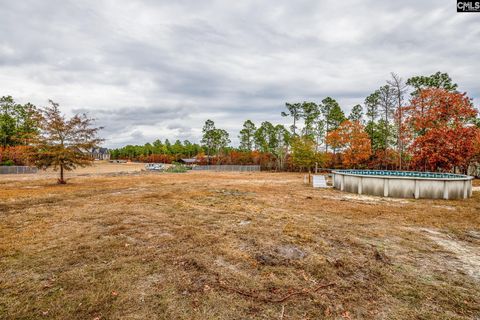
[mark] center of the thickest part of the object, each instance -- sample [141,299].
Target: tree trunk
[326,133]
[399,137]
[61,180]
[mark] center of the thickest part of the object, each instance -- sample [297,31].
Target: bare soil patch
[468,257]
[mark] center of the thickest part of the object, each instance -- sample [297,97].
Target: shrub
[7,163]
[177,168]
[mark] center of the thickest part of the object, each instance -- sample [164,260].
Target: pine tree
[247,135]
[332,114]
[356,114]
[294,111]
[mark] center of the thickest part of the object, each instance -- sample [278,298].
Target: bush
[177,168]
[7,163]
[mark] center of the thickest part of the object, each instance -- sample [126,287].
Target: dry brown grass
[230,246]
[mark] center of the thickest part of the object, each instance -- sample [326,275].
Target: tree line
[423,123]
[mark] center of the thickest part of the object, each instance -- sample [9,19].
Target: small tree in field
[304,155]
[64,143]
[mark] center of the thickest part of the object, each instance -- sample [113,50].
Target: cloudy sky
[158,69]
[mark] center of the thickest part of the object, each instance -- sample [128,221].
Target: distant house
[100,154]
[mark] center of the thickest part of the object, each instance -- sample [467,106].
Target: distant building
[188,161]
[100,154]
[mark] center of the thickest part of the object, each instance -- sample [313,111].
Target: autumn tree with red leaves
[441,125]
[476,157]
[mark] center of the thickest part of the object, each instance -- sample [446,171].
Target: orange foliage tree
[354,142]
[441,124]
[387,159]
[156,158]
[64,143]
[17,155]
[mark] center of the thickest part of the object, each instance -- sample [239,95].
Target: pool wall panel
[401,188]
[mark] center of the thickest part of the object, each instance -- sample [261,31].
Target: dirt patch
[468,256]
[280,255]
[366,199]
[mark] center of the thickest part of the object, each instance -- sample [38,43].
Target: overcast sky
[158,69]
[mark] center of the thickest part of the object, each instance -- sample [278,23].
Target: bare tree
[387,109]
[399,89]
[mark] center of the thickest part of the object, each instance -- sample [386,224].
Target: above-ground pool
[404,184]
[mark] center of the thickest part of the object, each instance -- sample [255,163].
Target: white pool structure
[404,184]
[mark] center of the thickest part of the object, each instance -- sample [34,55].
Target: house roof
[100,150]
[189,160]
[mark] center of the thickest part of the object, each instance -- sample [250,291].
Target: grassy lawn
[231,246]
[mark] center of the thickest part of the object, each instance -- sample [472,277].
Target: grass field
[115,243]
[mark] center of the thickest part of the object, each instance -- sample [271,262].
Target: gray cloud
[158,69]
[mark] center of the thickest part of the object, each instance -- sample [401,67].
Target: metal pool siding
[404,186]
